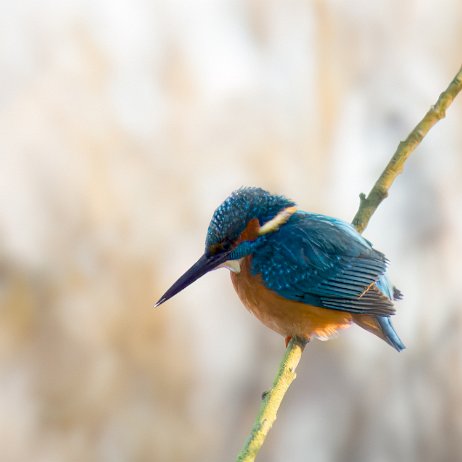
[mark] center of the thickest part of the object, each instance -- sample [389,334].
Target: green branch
[272,400]
[379,192]
[368,205]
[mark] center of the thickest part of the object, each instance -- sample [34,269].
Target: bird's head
[238,226]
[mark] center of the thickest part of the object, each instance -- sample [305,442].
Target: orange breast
[287,317]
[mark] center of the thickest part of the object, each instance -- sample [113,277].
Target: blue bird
[302,274]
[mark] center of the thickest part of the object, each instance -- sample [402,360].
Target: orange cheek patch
[250,232]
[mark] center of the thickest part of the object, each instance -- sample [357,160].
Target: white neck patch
[233,265]
[277,221]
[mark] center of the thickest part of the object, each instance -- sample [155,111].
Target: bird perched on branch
[302,274]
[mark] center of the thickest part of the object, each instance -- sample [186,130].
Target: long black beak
[205,264]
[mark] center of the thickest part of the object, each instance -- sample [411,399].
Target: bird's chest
[287,317]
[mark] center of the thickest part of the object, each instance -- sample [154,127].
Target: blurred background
[123,125]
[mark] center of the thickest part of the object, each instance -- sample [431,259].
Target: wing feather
[323,261]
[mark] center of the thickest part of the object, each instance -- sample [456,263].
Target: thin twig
[272,400]
[368,205]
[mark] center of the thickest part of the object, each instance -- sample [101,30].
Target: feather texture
[323,262]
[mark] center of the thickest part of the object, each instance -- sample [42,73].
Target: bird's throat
[233,265]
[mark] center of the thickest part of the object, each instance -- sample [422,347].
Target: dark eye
[226,245]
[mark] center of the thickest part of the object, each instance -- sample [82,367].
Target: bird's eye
[224,246]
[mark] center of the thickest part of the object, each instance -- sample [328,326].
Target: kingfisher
[301,274]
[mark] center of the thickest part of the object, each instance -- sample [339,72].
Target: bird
[301,274]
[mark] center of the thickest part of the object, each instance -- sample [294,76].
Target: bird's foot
[289,338]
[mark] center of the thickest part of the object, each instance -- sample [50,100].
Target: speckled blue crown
[244,204]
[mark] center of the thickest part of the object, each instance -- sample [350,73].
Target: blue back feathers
[324,262]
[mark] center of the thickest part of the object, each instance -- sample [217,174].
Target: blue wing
[324,262]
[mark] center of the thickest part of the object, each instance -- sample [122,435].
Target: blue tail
[390,335]
[381,325]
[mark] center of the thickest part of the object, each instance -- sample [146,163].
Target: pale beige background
[123,124]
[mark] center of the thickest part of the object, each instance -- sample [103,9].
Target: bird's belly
[287,317]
